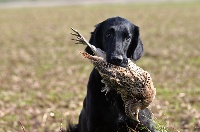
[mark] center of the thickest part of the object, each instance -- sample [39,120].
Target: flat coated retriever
[101,112]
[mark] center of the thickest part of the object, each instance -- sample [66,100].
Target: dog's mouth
[123,62]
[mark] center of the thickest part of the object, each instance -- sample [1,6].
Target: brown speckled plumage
[133,83]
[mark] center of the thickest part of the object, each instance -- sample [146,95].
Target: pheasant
[133,83]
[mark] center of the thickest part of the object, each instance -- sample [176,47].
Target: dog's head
[119,38]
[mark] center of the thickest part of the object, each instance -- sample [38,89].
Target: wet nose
[116,60]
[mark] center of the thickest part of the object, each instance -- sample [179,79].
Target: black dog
[102,112]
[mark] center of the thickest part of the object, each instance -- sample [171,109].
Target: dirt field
[50,3]
[43,79]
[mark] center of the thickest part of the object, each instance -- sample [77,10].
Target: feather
[134,84]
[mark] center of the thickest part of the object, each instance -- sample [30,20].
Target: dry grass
[43,79]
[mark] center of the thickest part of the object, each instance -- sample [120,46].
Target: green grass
[41,72]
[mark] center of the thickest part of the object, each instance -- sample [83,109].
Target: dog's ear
[95,39]
[135,50]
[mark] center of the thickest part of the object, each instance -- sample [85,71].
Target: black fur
[105,113]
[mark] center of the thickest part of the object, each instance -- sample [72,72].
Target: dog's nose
[116,60]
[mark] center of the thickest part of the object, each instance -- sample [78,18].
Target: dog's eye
[108,34]
[128,37]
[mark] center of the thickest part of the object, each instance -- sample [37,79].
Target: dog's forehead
[121,28]
[118,22]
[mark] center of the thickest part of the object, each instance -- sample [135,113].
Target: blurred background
[43,79]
